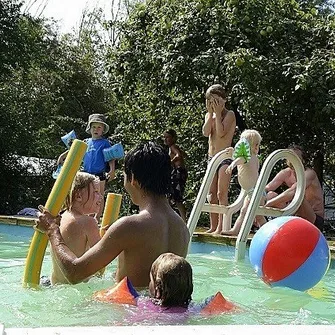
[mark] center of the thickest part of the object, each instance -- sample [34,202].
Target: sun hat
[99,118]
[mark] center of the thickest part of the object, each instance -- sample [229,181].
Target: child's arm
[207,127]
[176,152]
[235,162]
[111,174]
[62,157]
[277,181]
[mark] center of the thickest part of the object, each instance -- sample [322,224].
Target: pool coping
[185,330]
[18,220]
[201,236]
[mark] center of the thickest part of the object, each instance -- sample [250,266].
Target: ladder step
[220,209]
[269,211]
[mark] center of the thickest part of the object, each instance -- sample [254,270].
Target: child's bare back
[155,230]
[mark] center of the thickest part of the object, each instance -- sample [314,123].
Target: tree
[276,58]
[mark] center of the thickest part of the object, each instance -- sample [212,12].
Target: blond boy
[219,127]
[246,160]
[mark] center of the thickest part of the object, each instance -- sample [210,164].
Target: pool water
[214,269]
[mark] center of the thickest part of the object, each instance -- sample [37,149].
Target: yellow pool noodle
[111,212]
[61,188]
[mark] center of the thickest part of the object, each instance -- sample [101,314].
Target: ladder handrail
[200,202]
[262,180]
[204,188]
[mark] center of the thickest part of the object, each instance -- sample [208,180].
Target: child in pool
[246,160]
[170,295]
[79,230]
[171,282]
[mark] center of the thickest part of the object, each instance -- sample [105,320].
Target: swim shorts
[178,183]
[101,175]
[319,221]
[226,161]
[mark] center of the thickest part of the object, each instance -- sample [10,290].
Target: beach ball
[291,252]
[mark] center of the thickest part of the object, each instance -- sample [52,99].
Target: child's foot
[230,232]
[210,230]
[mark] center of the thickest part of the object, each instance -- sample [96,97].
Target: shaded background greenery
[148,70]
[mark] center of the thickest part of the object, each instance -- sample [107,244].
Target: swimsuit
[319,221]
[94,161]
[225,161]
[251,191]
[178,182]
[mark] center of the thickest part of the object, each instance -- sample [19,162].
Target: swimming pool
[214,270]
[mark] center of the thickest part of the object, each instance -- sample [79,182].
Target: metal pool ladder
[253,208]
[200,204]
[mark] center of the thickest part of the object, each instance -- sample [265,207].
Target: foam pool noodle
[110,215]
[54,204]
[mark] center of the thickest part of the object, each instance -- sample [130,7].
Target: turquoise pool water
[214,270]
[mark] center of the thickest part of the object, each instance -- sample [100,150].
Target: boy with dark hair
[137,239]
[179,172]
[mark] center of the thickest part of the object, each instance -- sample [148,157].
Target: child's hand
[229,169]
[229,151]
[110,175]
[209,106]
[45,220]
[218,105]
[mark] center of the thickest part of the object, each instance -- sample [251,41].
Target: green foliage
[47,89]
[275,57]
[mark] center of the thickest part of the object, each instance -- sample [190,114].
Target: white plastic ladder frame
[254,208]
[200,204]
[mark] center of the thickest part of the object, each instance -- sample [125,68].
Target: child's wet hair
[172,280]
[81,181]
[150,165]
[218,90]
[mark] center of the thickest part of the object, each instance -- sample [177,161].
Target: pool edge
[185,330]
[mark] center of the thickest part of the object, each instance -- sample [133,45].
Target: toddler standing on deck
[94,159]
[246,160]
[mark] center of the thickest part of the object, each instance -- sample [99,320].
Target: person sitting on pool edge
[312,207]
[137,239]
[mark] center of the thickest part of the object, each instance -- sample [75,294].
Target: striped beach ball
[290,252]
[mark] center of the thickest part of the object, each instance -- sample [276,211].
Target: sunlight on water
[214,269]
